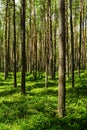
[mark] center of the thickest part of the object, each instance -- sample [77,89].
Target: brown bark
[72,44]
[6,49]
[67,43]
[14,45]
[61,90]
[80,40]
[54,45]
[50,42]
[35,45]
[23,46]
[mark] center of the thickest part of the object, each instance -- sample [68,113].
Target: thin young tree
[62,85]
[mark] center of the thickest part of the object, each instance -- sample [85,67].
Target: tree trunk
[72,44]
[14,45]
[35,44]
[23,46]
[67,45]
[80,40]
[9,34]
[6,55]
[62,88]
[54,47]
[50,42]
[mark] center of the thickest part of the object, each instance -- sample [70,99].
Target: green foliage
[37,110]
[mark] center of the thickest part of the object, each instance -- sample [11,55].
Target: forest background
[43,56]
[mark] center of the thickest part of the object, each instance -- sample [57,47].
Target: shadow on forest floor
[7,93]
[37,110]
[80,88]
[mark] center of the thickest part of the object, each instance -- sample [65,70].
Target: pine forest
[43,64]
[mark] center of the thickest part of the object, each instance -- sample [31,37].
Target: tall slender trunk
[23,46]
[80,40]
[62,88]
[54,64]
[14,45]
[30,38]
[83,40]
[46,48]
[6,50]
[46,59]
[67,45]
[9,33]
[35,44]
[72,44]
[54,47]
[50,40]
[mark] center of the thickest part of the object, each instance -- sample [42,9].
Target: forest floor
[37,109]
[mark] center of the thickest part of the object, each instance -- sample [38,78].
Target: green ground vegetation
[37,109]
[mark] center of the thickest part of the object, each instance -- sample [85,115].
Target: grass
[37,110]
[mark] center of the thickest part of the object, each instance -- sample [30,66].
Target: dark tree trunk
[72,44]
[14,45]
[23,46]
[67,45]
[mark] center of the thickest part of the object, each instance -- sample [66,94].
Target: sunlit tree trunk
[54,36]
[62,88]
